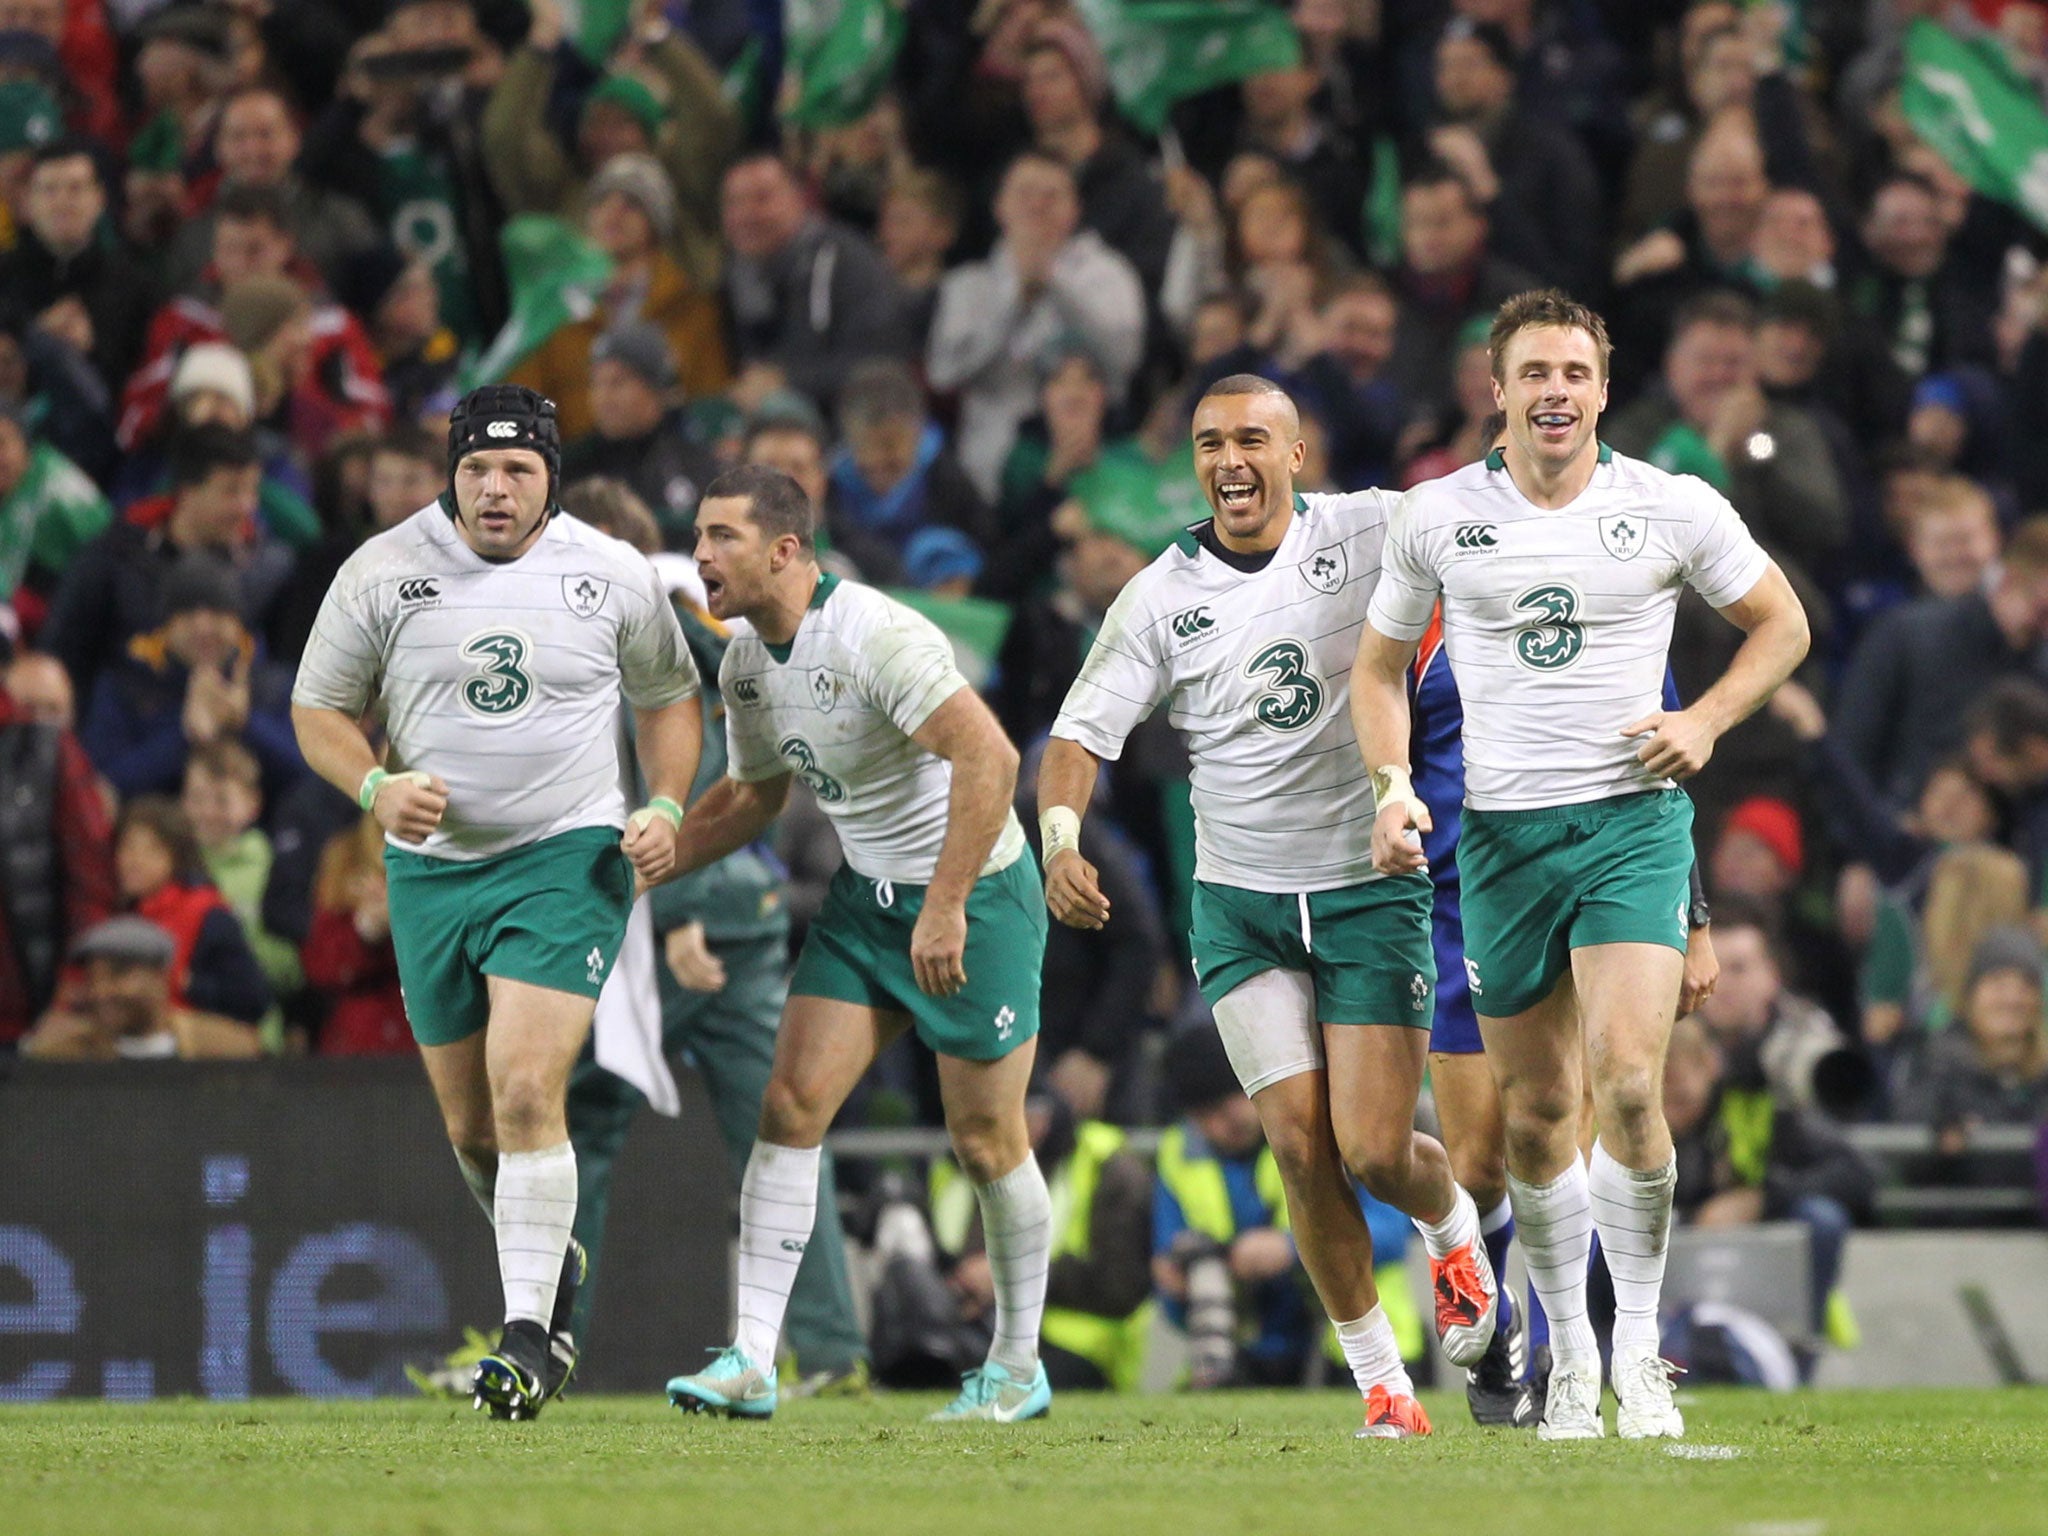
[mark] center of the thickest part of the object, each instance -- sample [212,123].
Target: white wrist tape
[1059,830]
[1391,784]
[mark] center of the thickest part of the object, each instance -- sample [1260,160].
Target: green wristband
[366,797]
[667,810]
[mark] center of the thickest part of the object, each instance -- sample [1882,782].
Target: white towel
[629,1016]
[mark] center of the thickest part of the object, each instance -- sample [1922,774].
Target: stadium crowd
[251,251]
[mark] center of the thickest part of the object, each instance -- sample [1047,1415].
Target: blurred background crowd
[959,267]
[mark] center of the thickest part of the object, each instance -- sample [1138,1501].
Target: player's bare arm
[966,734]
[728,816]
[407,805]
[1066,784]
[1379,716]
[1772,618]
[670,742]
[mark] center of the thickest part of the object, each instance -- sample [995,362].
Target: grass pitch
[1247,1464]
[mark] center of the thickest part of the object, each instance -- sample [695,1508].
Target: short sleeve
[750,754]
[655,665]
[1120,683]
[1722,561]
[1408,589]
[910,672]
[344,654]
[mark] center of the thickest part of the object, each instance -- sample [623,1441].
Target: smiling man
[1559,564]
[1318,969]
[504,642]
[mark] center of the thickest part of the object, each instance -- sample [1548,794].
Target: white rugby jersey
[502,677]
[1558,622]
[1255,671]
[837,707]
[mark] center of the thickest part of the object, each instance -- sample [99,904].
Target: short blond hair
[1539,309]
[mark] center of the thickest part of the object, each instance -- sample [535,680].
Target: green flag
[1963,97]
[1162,51]
[595,26]
[554,275]
[837,57]
[975,625]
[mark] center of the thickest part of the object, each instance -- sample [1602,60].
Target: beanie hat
[506,416]
[641,180]
[257,308]
[1074,43]
[2008,947]
[630,94]
[219,367]
[200,581]
[128,940]
[1775,824]
[1198,1068]
[642,348]
[29,117]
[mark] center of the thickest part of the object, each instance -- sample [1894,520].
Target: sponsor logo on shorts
[1623,535]
[1472,977]
[1476,536]
[746,691]
[584,594]
[1190,622]
[1325,569]
[502,429]
[418,591]
[1418,989]
[1006,1019]
[595,961]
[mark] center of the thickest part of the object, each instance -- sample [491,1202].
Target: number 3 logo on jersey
[501,687]
[1295,699]
[1554,641]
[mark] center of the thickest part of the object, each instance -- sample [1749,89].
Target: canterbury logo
[1191,623]
[747,691]
[421,589]
[502,429]
[1476,536]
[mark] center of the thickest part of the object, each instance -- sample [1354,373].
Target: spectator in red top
[56,856]
[252,239]
[348,953]
[162,877]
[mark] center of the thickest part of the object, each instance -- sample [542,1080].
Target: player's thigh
[1468,1112]
[1628,994]
[984,1104]
[824,1047]
[552,916]
[535,1036]
[1535,1057]
[462,1089]
[1375,1075]
[1269,1031]
[996,1011]
[434,906]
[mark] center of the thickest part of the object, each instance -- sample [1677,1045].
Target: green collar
[826,582]
[1497,460]
[1186,542]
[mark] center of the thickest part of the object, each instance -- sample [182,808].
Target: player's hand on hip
[938,950]
[1679,746]
[1396,837]
[1071,892]
[691,961]
[410,805]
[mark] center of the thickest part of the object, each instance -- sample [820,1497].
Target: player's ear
[1297,456]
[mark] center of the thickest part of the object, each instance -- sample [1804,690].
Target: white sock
[1373,1355]
[1459,1227]
[778,1209]
[1554,1223]
[482,1182]
[1016,1222]
[535,1208]
[1632,1210]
